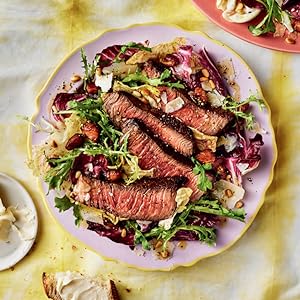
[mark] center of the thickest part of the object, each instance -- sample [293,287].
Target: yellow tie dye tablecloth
[263,265]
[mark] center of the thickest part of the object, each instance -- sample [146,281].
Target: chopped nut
[239,7]
[164,254]
[181,244]
[98,71]
[123,233]
[77,174]
[91,88]
[136,94]
[75,141]
[239,204]
[228,193]
[205,73]
[206,156]
[212,84]
[91,131]
[158,244]
[75,78]
[290,40]
[203,79]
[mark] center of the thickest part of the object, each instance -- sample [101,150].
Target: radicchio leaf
[113,232]
[245,158]
[215,75]
[92,166]
[61,103]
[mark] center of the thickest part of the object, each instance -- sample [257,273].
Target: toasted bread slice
[50,287]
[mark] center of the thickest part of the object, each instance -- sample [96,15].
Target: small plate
[14,194]
[241,30]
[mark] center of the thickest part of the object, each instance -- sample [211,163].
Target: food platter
[14,194]
[255,186]
[241,30]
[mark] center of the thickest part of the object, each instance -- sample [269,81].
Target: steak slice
[152,156]
[208,120]
[119,106]
[148,199]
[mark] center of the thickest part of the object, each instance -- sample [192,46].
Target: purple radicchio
[215,75]
[245,158]
[92,166]
[61,101]
[109,54]
[113,232]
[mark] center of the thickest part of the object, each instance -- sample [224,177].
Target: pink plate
[241,30]
[255,188]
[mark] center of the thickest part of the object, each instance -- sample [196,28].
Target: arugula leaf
[59,171]
[181,223]
[274,13]
[63,203]
[137,77]
[203,182]
[89,68]
[77,214]
[216,208]
[129,45]
[235,107]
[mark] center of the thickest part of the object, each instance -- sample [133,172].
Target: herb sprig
[64,204]
[129,45]
[199,169]
[182,223]
[274,13]
[235,107]
[135,78]
[89,68]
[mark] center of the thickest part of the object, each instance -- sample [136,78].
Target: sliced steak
[119,106]
[152,156]
[149,199]
[208,120]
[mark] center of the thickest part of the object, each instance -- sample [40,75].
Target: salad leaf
[138,77]
[60,169]
[214,207]
[235,107]
[182,223]
[130,45]
[89,68]
[64,204]
[199,169]
[274,13]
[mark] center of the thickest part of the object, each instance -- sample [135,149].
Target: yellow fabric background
[263,265]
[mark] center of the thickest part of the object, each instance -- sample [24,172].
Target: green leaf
[274,14]
[216,208]
[203,182]
[235,107]
[77,214]
[129,45]
[63,203]
[89,68]
[137,77]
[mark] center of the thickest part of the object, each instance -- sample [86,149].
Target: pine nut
[239,204]
[212,84]
[123,233]
[228,193]
[290,41]
[77,174]
[203,79]
[158,244]
[165,254]
[239,7]
[205,73]
[98,71]
[75,78]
